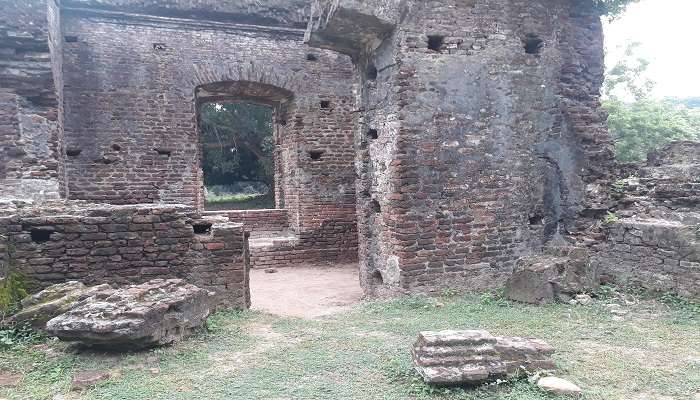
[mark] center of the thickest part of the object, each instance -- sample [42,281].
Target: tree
[639,123]
[643,126]
[613,8]
[628,77]
[237,143]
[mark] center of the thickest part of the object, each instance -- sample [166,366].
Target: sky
[669,31]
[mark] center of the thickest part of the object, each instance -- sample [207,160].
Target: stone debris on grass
[559,386]
[582,300]
[157,312]
[87,379]
[557,275]
[9,380]
[475,356]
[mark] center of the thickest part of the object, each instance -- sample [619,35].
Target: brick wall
[292,13]
[654,241]
[125,244]
[130,130]
[481,132]
[257,222]
[656,254]
[29,167]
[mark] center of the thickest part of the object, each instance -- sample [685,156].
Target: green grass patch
[239,202]
[365,354]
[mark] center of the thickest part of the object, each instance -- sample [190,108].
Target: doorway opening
[238,160]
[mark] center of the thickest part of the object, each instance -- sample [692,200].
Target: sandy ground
[305,291]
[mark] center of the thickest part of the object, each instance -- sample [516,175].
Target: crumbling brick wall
[29,166]
[126,244]
[653,240]
[656,254]
[481,132]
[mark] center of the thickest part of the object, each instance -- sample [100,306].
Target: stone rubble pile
[475,356]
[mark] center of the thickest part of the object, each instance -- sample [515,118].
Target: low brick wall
[257,222]
[129,244]
[328,236]
[659,255]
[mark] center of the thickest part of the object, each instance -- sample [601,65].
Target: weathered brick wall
[274,245]
[293,13]
[476,151]
[29,131]
[124,244]
[257,222]
[130,130]
[655,241]
[656,254]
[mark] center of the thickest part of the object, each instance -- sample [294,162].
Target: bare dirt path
[305,291]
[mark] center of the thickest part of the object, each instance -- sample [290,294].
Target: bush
[19,335]
[13,288]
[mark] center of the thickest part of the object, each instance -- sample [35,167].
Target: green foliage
[13,288]
[610,218]
[646,125]
[238,143]
[607,292]
[496,298]
[613,8]
[639,123]
[689,307]
[19,335]
[627,78]
[619,185]
[364,354]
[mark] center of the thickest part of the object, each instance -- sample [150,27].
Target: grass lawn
[652,352]
[239,202]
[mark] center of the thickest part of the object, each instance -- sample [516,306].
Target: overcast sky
[669,31]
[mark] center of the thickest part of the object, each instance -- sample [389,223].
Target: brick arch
[250,72]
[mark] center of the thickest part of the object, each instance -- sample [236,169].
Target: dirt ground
[305,291]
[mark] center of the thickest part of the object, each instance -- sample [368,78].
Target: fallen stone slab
[475,356]
[559,386]
[87,379]
[154,313]
[557,275]
[40,307]
[9,380]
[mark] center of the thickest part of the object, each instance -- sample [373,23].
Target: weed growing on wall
[14,286]
[610,218]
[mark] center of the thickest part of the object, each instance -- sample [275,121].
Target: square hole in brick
[311,57]
[72,152]
[375,207]
[163,152]
[40,235]
[377,278]
[371,72]
[70,39]
[533,45]
[201,228]
[435,42]
[536,219]
[316,154]
[373,134]
[325,104]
